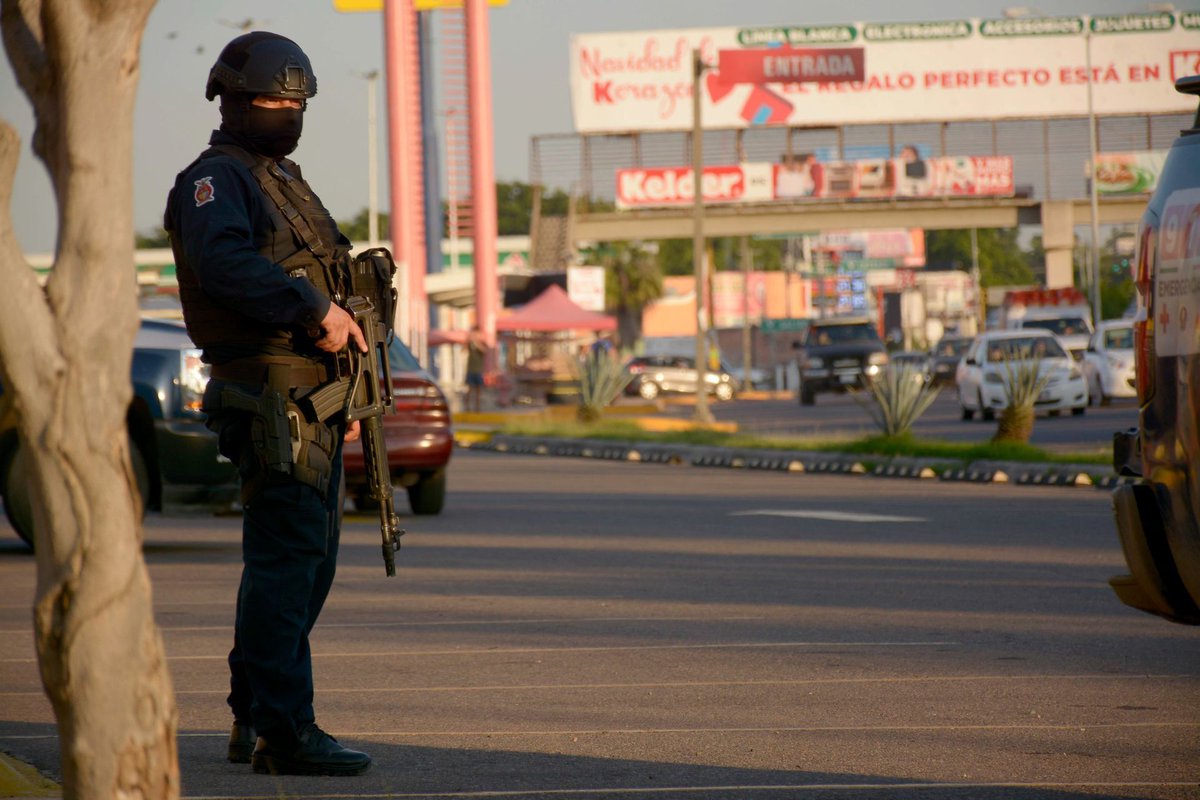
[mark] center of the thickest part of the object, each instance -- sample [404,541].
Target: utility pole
[703,415]
[747,354]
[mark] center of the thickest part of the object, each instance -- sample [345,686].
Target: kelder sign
[916,71]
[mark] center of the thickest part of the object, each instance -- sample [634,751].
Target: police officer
[254,249]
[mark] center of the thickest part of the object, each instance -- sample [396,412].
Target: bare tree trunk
[66,358]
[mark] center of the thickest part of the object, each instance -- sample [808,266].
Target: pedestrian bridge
[1057,218]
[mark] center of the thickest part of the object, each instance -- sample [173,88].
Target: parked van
[1158,517]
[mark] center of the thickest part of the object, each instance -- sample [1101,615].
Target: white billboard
[916,72]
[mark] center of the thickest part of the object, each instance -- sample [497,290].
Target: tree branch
[25,321]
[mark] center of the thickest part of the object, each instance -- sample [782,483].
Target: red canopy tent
[553,310]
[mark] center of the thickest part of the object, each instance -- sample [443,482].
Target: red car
[419,438]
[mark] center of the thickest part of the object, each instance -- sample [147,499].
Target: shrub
[1023,380]
[899,397]
[602,378]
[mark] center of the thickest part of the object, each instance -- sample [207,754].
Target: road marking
[374,735]
[729,790]
[456,623]
[825,514]
[542,687]
[551,650]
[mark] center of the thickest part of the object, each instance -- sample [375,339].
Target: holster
[284,440]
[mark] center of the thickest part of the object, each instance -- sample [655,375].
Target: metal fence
[1049,155]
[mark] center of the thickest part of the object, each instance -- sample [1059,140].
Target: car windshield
[1063,326]
[1025,348]
[1118,339]
[402,360]
[842,334]
[948,348]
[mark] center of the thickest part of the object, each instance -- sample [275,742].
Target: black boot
[241,742]
[311,752]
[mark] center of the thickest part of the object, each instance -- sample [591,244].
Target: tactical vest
[301,228]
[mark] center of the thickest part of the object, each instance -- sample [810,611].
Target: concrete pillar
[1058,240]
[397,25]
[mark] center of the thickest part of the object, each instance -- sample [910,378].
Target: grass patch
[887,446]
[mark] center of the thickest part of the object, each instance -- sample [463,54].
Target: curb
[800,461]
[19,780]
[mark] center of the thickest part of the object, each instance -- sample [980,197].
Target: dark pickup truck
[174,456]
[838,354]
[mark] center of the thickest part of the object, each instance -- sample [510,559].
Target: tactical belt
[301,372]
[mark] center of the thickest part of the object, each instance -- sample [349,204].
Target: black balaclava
[272,132]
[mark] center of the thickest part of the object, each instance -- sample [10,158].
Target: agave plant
[602,378]
[899,396]
[1024,380]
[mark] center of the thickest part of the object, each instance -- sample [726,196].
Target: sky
[530,53]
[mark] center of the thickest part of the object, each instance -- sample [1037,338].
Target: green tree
[514,207]
[151,239]
[358,229]
[1001,262]
[675,255]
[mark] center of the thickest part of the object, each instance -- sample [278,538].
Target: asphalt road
[842,415]
[572,628]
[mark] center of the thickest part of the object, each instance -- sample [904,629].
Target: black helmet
[262,63]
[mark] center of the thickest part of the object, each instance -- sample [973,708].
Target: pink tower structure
[406,166]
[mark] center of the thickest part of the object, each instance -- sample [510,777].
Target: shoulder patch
[205,193]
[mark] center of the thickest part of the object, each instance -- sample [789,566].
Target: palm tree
[632,281]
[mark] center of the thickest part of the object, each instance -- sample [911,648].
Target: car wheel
[1078,412]
[985,413]
[724,392]
[18,493]
[18,499]
[807,396]
[648,390]
[1054,412]
[967,413]
[428,495]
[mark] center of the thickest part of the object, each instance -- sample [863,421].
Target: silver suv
[653,375]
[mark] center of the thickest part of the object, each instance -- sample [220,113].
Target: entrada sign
[791,65]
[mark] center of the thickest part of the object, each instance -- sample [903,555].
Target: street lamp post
[372,161]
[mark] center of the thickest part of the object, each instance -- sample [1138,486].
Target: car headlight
[814,363]
[992,377]
[877,358]
[193,378]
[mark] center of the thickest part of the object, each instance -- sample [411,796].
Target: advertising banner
[1129,173]
[803,176]
[672,186]
[585,287]
[950,176]
[915,72]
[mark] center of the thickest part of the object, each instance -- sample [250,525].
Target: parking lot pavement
[580,629]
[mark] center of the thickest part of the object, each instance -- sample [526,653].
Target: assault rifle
[363,386]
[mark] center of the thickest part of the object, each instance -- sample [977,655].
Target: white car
[981,373]
[1108,363]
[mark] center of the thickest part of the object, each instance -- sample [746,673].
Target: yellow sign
[419,5]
